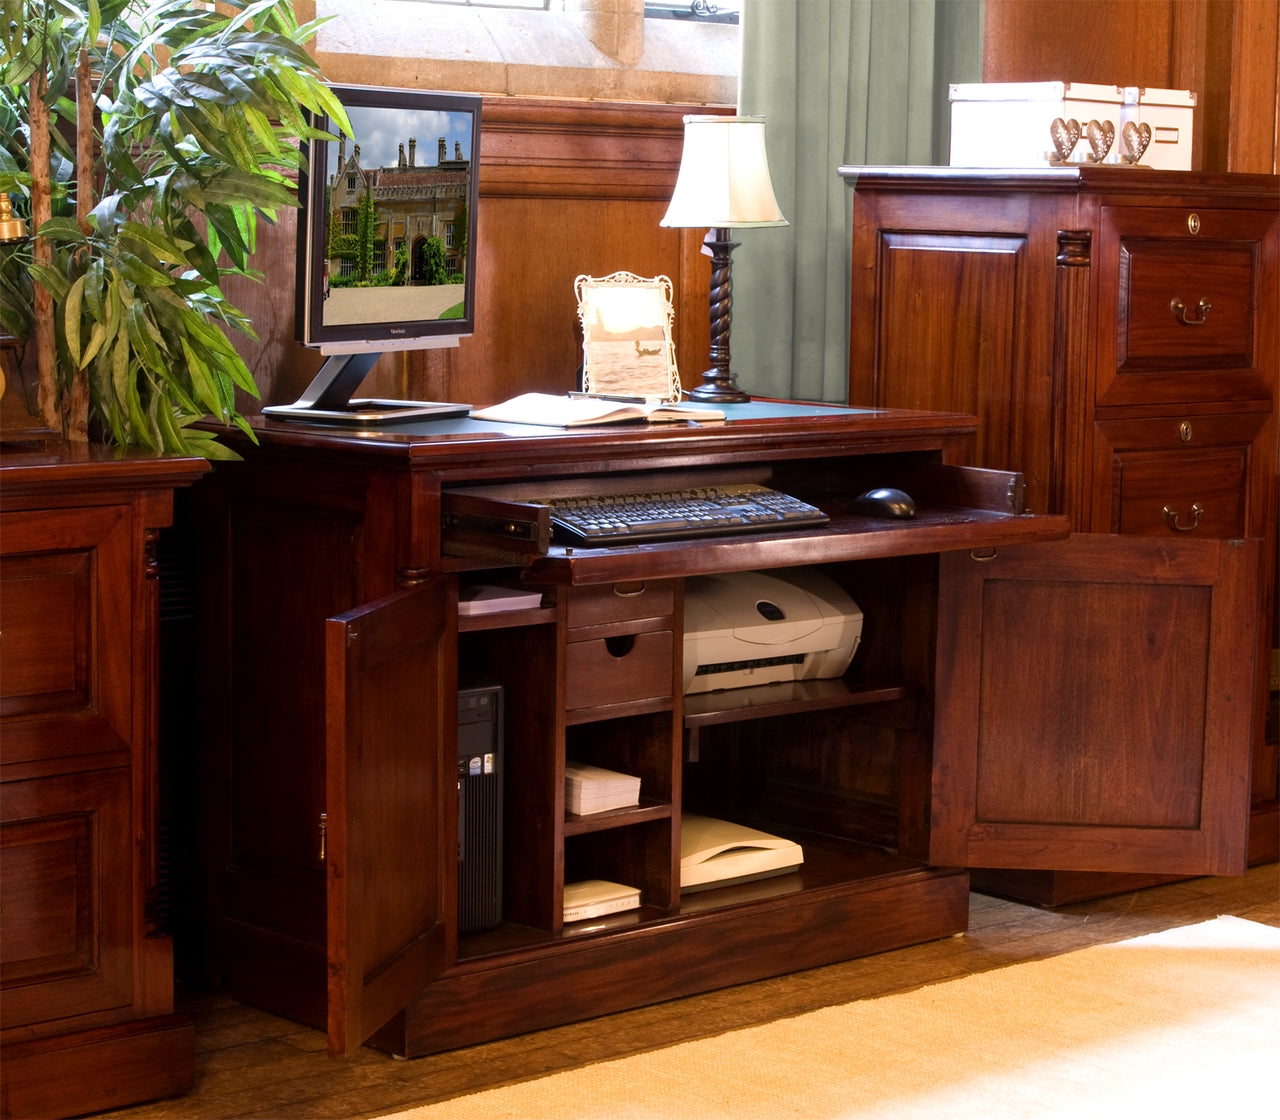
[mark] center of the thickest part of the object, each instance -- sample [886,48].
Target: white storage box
[1006,124]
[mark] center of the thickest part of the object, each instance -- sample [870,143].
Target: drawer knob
[1180,310]
[1174,518]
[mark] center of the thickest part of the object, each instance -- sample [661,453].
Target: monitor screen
[387,234]
[386,237]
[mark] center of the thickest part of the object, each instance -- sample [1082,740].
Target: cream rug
[1183,1023]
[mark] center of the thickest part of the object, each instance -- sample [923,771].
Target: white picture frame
[628,344]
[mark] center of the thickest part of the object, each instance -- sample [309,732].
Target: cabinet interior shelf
[829,863]
[501,620]
[758,701]
[649,809]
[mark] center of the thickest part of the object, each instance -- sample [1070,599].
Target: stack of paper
[592,789]
[480,598]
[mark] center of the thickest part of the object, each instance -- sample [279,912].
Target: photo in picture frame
[627,336]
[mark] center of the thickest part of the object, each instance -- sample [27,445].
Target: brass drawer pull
[1172,517]
[1180,310]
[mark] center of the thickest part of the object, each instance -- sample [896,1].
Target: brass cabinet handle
[1180,310]
[1173,518]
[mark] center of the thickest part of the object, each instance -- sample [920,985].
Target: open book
[572,412]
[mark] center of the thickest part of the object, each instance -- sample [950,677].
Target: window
[713,11]
[351,182]
[349,220]
[544,4]
[522,48]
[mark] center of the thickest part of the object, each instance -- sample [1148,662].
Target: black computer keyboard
[701,511]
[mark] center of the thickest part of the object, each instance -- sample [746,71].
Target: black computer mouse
[885,501]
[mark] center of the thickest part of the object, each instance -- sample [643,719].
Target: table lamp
[723,184]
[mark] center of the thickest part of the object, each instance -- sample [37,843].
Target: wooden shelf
[831,865]
[503,620]
[647,810]
[783,698]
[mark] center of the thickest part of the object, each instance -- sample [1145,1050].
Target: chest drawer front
[1179,476]
[1164,492]
[620,602]
[1193,311]
[1184,305]
[618,670]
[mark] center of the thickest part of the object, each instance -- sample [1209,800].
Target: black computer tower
[480,779]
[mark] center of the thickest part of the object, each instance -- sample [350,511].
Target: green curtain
[840,82]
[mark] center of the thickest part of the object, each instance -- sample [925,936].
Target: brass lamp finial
[12,228]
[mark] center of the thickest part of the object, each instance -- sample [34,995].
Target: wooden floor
[253,1065]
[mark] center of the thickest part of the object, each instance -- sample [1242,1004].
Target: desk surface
[779,425]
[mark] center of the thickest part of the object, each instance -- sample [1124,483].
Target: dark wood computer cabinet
[328,771]
[1116,330]
[86,968]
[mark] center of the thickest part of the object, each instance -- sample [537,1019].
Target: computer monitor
[386,244]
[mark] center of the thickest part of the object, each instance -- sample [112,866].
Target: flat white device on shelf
[745,628]
[593,898]
[716,853]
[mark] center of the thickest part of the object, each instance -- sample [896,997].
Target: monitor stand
[327,399]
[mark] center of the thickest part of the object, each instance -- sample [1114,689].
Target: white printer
[745,628]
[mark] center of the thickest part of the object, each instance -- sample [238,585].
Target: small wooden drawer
[1187,315]
[1201,492]
[1179,475]
[619,670]
[620,602]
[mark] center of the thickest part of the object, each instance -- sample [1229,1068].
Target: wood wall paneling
[1226,51]
[1099,41]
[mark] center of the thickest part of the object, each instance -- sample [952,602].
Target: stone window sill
[521,53]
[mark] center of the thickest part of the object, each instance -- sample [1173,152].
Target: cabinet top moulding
[1142,182]
[28,468]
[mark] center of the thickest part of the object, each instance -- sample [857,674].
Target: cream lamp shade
[724,176]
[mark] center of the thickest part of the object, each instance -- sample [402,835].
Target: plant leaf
[71,319]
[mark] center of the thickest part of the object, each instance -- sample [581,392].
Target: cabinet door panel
[66,919]
[1095,706]
[391,707]
[66,611]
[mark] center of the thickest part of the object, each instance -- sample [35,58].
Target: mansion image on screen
[411,204]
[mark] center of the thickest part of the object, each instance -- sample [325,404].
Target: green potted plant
[143,139]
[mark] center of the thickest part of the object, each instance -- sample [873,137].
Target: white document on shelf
[593,789]
[483,598]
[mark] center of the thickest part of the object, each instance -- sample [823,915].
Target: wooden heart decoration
[1136,137]
[1101,137]
[1064,135]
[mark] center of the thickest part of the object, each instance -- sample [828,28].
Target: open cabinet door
[1095,706]
[391,706]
